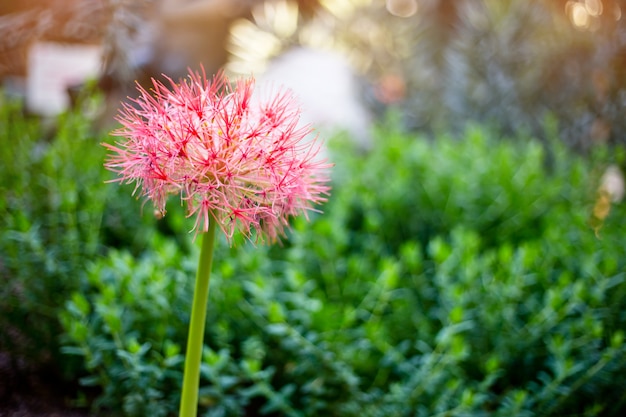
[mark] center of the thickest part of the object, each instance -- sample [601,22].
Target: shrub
[56,214]
[456,277]
[51,210]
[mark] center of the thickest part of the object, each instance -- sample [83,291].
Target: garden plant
[238,163]
[456,275]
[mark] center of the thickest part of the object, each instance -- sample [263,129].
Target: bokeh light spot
[593,7]
[578,14]
[402,8]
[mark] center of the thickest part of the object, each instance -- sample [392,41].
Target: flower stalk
[195,339]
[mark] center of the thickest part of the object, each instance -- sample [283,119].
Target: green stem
[193,358]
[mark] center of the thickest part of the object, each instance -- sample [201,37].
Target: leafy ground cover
[456,276]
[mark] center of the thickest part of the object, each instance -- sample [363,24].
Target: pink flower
[243,163]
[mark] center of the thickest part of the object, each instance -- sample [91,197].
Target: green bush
[449,277]
[50,215]
[56,214]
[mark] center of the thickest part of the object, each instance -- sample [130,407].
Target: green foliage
[50,216]
[56,214]
[487,286]
[454,277]
[117,321]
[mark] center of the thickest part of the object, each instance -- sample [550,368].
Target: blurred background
[470,260]
[509,63]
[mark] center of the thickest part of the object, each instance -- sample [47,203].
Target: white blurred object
[52,69]
[612,182]
[327,89]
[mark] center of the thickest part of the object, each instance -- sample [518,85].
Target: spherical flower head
[240,161]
